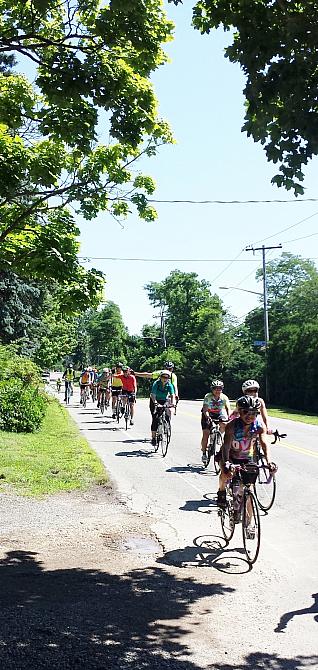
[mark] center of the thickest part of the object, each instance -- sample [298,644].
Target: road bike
[68,391]
[241,507]
[103,401]
[119,407]
[84,394]
[265,484]
[163,433]
[127,409]
[94,392]
[214,446]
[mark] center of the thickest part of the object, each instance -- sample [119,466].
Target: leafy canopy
[92,63]
[275,43]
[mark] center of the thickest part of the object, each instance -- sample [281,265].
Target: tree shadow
[272,661]
[86,618]
[208,551]
[286,618]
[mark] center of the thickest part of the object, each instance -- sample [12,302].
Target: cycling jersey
[215,405]
[69,374]
[104,380]
[117,382]
[85,378]
[161,391]
[128,383]
[242,445]
[174,379]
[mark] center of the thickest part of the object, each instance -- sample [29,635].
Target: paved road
[265,617]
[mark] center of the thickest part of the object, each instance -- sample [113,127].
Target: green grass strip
[56,458]
[293,415]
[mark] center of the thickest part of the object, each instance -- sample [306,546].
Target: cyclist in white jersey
[216,405]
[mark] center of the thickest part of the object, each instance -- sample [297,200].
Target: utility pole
[163,326]
[263,249]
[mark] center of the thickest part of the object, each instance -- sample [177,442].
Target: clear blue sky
[200,94]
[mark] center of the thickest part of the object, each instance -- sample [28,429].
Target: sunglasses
[247,411]
[165,376]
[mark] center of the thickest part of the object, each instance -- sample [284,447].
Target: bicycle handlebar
[278,436]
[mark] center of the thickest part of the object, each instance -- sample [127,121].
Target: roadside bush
[22,407]
[13,366]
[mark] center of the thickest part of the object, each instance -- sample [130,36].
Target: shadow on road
[286,618]
[86,618]
[137,453]
[191,467]
[207,503]
[208,551]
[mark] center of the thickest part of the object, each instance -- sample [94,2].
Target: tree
[275,43]
[107,335]
[93,63]
[194,326]
[19,311]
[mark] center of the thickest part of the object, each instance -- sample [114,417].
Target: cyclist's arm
[205,410]
[264,414]
[145,375]
[228,437]
[264,445]
[228,408]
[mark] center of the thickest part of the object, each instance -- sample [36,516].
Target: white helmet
[105,369]
[250,384]
[165,373]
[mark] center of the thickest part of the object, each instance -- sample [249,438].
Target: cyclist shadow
[286,618]
[190,467]
[208,551]
[138,453]
[208,503]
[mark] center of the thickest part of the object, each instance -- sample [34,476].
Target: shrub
[22,407]
[13,366]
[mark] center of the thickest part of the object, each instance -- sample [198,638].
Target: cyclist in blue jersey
[161,390]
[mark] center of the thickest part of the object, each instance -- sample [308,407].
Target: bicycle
[127,410]
[84,395]
[94,392]
[241,507]
[265,484]
[214,446]
[163,433]
[119,407]
[103,403]
[68,391]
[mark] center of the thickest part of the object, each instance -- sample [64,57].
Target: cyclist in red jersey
[129,390]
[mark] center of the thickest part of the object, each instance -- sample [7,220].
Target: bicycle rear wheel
[84,398]
[102,403]
[251,528]
[227,520]
[265,486]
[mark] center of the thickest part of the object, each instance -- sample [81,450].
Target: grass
[293,415]
[56,458]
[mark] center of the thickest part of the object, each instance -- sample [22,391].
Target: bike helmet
[165,373]
[119,365]
[169,364]
[250,384]
[216,383]
[105,369]
[248,403]
[125,368]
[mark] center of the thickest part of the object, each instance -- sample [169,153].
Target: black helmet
[119,365]
[248,403]
[169,364]
[216,383]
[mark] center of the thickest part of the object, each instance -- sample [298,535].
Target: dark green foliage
[22,407]
[275,43]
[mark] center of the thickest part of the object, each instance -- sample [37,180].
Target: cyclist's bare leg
[205,438]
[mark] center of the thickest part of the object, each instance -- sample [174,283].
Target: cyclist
[117,385]
[129,389]
[103,382]
[161,389]
[68,377]
[58,384]
[156,374]
[216,405]
[239,441]
[84,382]
[250,388]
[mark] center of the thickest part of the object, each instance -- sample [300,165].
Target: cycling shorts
[220,416]
[130,395]
[116,391]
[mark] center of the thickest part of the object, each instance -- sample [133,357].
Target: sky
[200,94]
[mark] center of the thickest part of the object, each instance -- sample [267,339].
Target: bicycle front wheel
[251,527]
[265,487]
[127,414]
[227,520]
[118,411]
[166,436]
[217,446]
[84,399]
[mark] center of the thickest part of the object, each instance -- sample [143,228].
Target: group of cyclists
[121,380]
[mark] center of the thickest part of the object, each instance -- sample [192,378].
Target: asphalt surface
[239,618]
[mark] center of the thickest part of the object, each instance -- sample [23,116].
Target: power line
[230,202]
[168,260]
[288,228]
